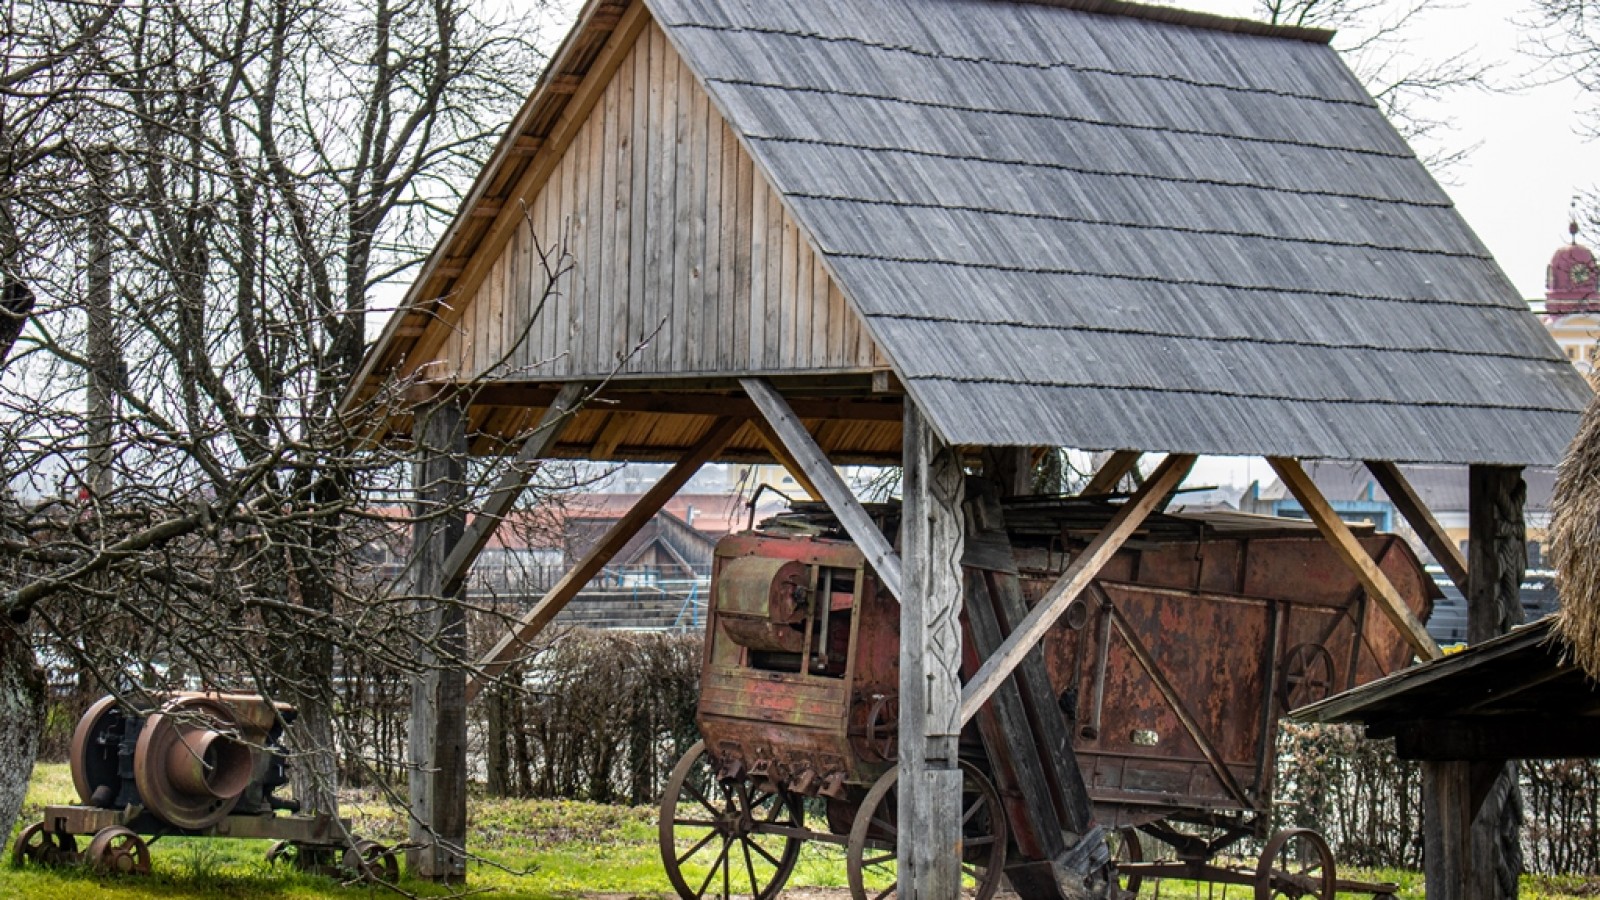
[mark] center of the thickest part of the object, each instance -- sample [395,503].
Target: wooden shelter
[934,232]
[1517,696]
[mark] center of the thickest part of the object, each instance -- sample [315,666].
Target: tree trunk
[21,717]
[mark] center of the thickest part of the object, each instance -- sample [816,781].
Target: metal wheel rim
[118,851]
[33,845]
[372,862]
[1314,878]
[734,814]
[871,831]
[1128,850]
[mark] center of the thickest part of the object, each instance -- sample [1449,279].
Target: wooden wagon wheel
[718,837]
[118,851]
[1296,864]
[41,848]
[1307,675]
[870,854]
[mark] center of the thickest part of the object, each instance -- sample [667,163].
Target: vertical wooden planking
[692,218]
[839,353]
[788,290]
[663,100]
[627,141]
[610,150]
[758,271]
[682,212]
[596,322]
[638,275]
[772,352]
[711,322]
[546,252]
[742,242]
[586,266]
[802,301]
[822,318]
[728,215]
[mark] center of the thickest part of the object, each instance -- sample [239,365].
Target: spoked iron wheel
[1125,848]
[38,847]
[870,855]
[1296,864]
[118,851]
[371,861]
[726,838]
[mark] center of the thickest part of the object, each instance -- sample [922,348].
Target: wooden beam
[933,533]
[774,445]
[510,487]
[1498,738]
[1077,576]
[1416,513]
[685,400]
[811,460]
[438,727]
[1112,471]
[534,620]
[616,428]
[1344,543]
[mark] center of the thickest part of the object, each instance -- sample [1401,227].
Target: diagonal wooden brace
[1338,534]
[1111,472]
[534,620]
[1433,535]
[814,464]
[1078,576]
[511,485]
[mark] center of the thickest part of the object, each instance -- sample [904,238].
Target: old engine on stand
[199,764]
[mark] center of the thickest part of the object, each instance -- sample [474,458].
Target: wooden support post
[1433,535]
[510,487]
[1473,810]
[438,726]
[1338,535]
[1497,549]
[811,460]
[534,620]
[1009,469]
[1112,471]
[1077,576]
[929,843]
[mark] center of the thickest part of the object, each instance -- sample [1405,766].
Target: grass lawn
[531,850]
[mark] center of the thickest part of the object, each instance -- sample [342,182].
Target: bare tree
[200,200]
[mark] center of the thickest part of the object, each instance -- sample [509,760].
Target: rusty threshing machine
[1144,728]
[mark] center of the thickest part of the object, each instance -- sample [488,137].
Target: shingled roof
[1089,224]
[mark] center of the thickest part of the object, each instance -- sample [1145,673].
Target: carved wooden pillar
[438,728]
[1473,810]
[929,848]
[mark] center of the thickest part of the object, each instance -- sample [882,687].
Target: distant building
[1571,307]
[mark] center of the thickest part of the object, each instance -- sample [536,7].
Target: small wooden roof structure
[1073,223]
[1518,696]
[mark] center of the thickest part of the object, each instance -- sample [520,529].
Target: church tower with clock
[1572,303]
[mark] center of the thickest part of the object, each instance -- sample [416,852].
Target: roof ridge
[1177,16]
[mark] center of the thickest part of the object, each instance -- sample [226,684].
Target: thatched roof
[1575,542]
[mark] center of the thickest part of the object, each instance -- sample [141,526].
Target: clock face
[1582,274]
